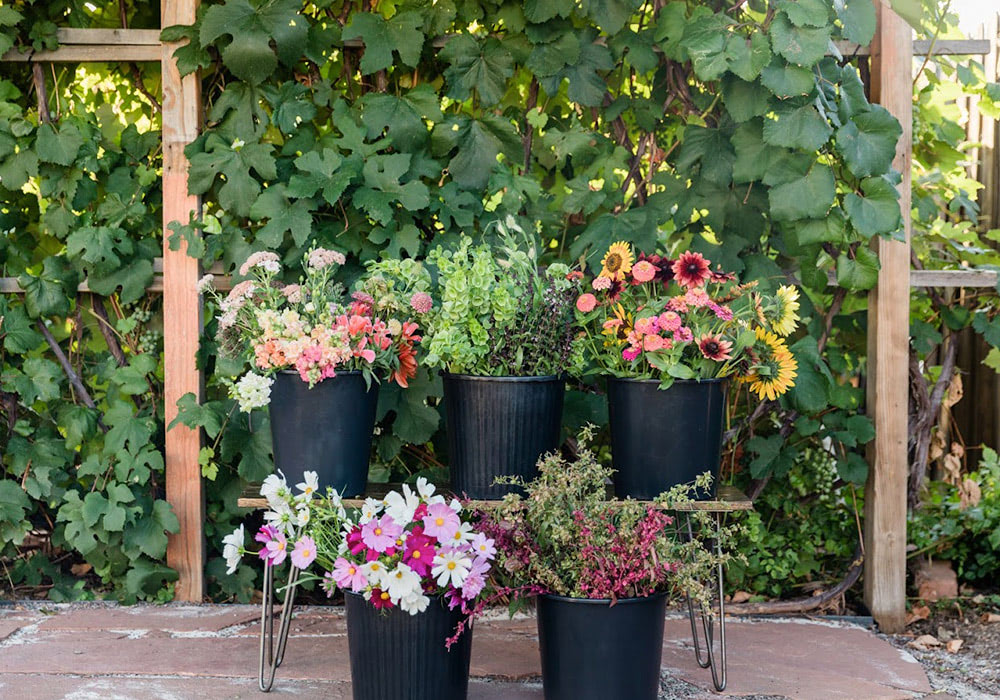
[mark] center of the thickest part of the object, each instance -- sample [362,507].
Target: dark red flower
[714,348]
[664,273]
[691,270]
[380,599]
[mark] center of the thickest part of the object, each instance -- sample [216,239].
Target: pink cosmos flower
[419,551]
[348,575]
[630,353]
[304,553]
[643,271]
[483,547]
[586,303]
[421,302]
[441,522]
[381,533]
[275,545]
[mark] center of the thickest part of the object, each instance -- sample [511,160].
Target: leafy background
[379,129]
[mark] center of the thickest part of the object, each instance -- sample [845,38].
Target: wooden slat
[222,282]
[888,345]
[97,45]
[921,47]
[111,37]
[953,278]
[181,315]
[730,500]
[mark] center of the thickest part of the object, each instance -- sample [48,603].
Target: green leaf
[631,226]
[807,13]
[133,279]
[381,36]
[988,327]
[802,45]
[148,534]
[747,57]
[282,215]
[404,116]
[609,15]
[853,468]
[132,379]
[786,80]
[767,450]
[14,502]
[383,175]
[586,82]
[479,142]
[910,10]
[125,428]
[858,20]
[809,197]
[543,10]
[860,272]
[415,422]
[17,168]
[59,147]
[49,293]
[868,141]
[249,55]
[45,377]
[745,100]
[324,172]
[877,212]
[19,335]
[832,229]
[483,66]
[801,128]
[240,189]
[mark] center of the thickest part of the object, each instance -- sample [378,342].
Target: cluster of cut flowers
[653,317]
[408,547]
[400,551]
[311,327]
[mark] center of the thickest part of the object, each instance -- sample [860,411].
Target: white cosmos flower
[425,488]
[369,510]
[451,566]
[282,517]
[415,603]
[462,535]
[232,549]
[310,486]
[375,572]
[302,516]
[401,583]
[401,506]
[275,489]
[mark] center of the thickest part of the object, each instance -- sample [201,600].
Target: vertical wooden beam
[888,346]
[181,314]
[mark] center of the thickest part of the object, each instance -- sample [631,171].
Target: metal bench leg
[716,662]
[268,662]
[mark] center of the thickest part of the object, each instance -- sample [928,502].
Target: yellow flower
[617,261]
[618,328]
[775,371]
[786,320]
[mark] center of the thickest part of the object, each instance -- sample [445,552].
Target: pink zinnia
[275,545]
[652,343]
[586,303]
[421,302]
[441,522]
[348,575]
[601,283]
[304,553]
[381,533]
[669,321]
[647,324]
[643,271]
[684,335]
[419,552]
[697,297]
[630,353]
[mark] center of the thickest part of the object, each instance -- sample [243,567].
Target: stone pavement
[185,652]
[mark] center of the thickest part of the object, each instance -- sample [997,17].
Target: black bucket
[663,438]
[326,429]
[398,656]
[499,426]
[592,649]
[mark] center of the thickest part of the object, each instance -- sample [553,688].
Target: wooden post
[181,315]
[888,346]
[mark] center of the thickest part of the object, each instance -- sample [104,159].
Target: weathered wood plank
[953,278]
[10,285]
[89,54]
[888,346]
[181,315]
[921,47]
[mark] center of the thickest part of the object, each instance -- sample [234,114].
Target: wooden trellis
[891,56]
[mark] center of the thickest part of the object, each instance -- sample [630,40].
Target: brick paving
[185,652]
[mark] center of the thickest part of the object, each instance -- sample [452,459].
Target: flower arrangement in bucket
[601,572]
[317,355]
[412,570]
[503,332]
[669,335]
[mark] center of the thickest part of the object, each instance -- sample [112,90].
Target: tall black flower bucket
[663,438]
[592,649]
[499,426]
[326,429]
[398,656]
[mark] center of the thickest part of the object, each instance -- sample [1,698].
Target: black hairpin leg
[268,661]
[711,659]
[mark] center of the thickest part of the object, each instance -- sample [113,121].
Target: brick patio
[181,652]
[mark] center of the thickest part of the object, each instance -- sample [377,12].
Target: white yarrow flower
[451,566]
[206,284]
[252,391]
[232,549]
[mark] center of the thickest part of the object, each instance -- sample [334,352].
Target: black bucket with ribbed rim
[398,656]
[326,429]
[592,649]
[661,438]
[499,426]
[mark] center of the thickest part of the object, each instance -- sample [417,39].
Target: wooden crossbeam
[923,47]
[97,45]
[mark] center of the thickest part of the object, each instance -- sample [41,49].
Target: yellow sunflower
[617,329]
[617,262]
[787,302]
[775,371]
